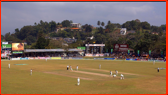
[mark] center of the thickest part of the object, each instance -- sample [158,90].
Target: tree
[117,25]
[30,39]
[137,20]
[88,28]
[109,22]
[7,35]
[127,25]
[2,38]
[102,23]
[145,25]
[98,23]
[41,22]
[163,27]
[134,25]
[78,36]
[55,44]
[110,27]
[154,28]
[66,23]
[35,23]
[17,32]
[41,43]
[52,25]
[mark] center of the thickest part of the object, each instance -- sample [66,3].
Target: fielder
[122,76]
[78,81]
[99,66]
[158,69]
[67,67]
[31,72]
[153,62]
[116,72]
[71,68]
[9,65]
[77,67]
[110,73]
[114,75]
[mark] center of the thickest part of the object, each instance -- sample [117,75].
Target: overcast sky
[18,14]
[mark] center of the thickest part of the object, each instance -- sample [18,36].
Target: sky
[18,14]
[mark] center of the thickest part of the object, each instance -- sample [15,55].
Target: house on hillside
[54,38]
[131,31]
[123,31]
[164,31]
[77,25]
[70,40]
[155,33]
[60,28]
[90,37]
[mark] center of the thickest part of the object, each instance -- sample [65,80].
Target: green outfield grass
[51,77]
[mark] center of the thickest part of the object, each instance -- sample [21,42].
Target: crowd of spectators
[56,54]
[124,55]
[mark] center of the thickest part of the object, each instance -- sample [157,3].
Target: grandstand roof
[50,50]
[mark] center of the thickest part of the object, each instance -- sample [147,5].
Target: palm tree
[98,23]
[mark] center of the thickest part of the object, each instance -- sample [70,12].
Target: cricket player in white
[9,65]
[153,62]
[31,72]
[122,76]
[99,66]
[110,73]
[71,68]
[114,75]
[77,67]
[67,67]
[78,81]
[116,72]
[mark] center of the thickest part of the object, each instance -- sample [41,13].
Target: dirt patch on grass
[103,75]
[68,75]
[112,71]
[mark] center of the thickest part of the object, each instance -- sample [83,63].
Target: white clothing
[78,81]
[76,67]
[111,73]
[122,76]
[154,62]
[31,72]
[116,72]
[99,66]
[8,65]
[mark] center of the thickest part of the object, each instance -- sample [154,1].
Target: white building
[90,37]
[123,31]
[77,25]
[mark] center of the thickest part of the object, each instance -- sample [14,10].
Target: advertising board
[94,44]
[55,57]
[17,46]
[15,59]
[4,42]
[82,48]
[121,47]
[6,46]
[16,52]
